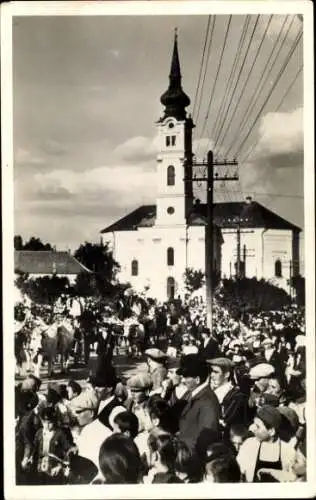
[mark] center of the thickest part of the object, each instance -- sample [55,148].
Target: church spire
[174,99]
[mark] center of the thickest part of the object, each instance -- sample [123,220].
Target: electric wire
[236,107]
[216,77]
[261,82]
[231,77]
[249,152]
[288,58]
[205,69]
[201,66]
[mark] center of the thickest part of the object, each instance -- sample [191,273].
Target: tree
[34,243]
[251,295]
[193,279]
[99,259]
[45,290]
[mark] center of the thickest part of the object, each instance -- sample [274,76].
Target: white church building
[154,244]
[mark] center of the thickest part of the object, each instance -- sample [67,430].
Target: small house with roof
[38,263]
[154,244]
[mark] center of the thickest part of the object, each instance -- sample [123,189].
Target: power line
[217,73]
[205,67]
[279,195]
[230,79]
[261,82]
[277,109]
[202,63]
[294,46]
[245,83]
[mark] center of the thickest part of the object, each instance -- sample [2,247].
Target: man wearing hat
[265,451]
[209,347]
[259,374]
[202,411]
[156,361]
[234,404]
[139,386]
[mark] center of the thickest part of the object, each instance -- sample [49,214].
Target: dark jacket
[235,408]
[211,350]
[201,413]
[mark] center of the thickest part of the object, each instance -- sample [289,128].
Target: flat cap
[270,416]
[224,363]
[156,354]
[140,382]
[290,415]
[261,370]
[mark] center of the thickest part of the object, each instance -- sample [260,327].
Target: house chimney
[248,200]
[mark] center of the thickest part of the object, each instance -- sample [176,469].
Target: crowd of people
[222,405]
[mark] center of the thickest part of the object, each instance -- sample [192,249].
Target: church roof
[47,262]
[226,215]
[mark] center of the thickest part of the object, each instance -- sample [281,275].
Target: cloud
[24,157]
[281,140]
[55,148]
[137,149]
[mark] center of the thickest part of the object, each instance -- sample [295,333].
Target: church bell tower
[174,160]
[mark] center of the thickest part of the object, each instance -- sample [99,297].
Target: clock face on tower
[170,210]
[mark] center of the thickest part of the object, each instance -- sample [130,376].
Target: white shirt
[90,440]
[199,388]
[222,390]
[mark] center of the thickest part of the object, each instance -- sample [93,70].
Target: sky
[86,97]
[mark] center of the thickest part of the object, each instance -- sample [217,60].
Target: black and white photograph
[158,249]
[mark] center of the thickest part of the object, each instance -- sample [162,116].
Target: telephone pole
[209,177]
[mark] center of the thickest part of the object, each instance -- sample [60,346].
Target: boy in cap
[156,361]
[234,404]
[139,386]
[265,450]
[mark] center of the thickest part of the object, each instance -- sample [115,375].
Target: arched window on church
[171,175]
[278,269]
[170,256]
[134,267]
[170,287]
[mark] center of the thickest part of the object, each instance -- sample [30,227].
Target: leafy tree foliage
[193,279]
[45,290]
[251,295]
[33,243]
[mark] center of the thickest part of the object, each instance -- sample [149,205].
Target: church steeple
[174,99]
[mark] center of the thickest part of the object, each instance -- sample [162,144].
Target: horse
[136,338]
[49,341]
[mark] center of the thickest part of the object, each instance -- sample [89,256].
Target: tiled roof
[252,215]
[47,262]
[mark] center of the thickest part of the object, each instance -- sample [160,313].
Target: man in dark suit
[209,348]
[202,412]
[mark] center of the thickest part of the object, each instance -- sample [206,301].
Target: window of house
[170,256]
[170,288]
[171,175]
[278,269]
[134,267]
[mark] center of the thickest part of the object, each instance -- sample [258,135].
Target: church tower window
[134,267]
[170,287]
[173,140]
[278,269]
[170,256]
[171,175]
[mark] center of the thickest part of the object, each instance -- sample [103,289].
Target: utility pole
[238,231]
[209,177]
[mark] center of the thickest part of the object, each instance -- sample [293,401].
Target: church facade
[155,244]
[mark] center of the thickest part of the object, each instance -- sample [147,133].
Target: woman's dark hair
[49,413]
[240,430]
[188,463]
[159,408]
[127,422]
[224,469]
[76,388]
[217,450]
[119,460]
